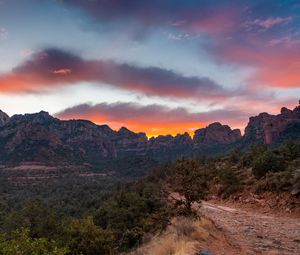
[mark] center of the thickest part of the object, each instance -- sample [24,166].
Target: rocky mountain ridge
[3,118]
[40,137]
[271,129]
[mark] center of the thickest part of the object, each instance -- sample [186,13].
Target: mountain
[3,118]
[43,138]
[273,129]
[39,137]
[216,133]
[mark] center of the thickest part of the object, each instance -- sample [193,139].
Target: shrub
[20,242]
[274,182]
[191,182]
[228,181]
[290,151]
[84,237]
[268,162]
[253,153]
[132,213]
[37,218]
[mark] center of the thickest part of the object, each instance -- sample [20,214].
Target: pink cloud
[276,62]
[64,71]
[286,41]
[272,21]
[220,22]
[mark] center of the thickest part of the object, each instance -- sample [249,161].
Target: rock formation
[3,118]
[127,142]
[270,129]
[216,133]
[40,137]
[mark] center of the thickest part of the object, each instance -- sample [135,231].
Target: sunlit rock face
[270,129]
[216,133]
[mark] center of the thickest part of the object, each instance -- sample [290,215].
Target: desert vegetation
[89,216]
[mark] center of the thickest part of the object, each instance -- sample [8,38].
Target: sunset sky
[159,66]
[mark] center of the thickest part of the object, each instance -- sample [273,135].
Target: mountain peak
[216,133]
[124,131]
[41,117]
[271,129]
[3,118]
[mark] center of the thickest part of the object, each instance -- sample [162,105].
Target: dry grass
[182,237]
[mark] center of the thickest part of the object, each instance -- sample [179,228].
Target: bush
[290,151]
[20,242]
[191,182]
[268,162]
[228,181]
[275,182]
[132,213]
[234,156]
[253,153]
[41,222]
[88,239]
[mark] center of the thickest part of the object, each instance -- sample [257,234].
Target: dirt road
[255,233]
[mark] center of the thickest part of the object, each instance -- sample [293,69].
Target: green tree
[40,220]
[130,213]
[234,155]
[290,150]
[228,181]
[253,153]
[268,162]
[20,243]
[84,237]
[190,181]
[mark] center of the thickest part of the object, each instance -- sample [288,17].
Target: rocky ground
[253,232]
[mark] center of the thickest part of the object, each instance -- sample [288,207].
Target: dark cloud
[211,16]
[245,33]
[150,113]
[139,15]
[56,67]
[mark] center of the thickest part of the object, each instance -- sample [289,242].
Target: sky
[160,66]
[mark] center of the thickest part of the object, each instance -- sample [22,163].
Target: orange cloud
[153,119]
[151,129]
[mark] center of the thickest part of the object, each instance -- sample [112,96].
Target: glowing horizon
[167,67]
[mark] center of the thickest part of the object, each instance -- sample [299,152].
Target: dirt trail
[256,233]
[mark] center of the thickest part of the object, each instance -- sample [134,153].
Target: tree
[37,218]
[130,213]
[190,181]
[290,150]
[228,180]
[234,155]
[20,243]
[254,152]
[268,162]
[84,237]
